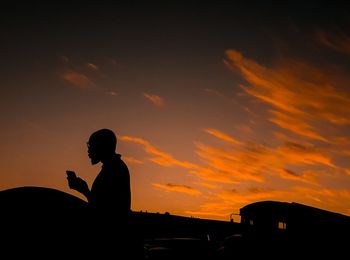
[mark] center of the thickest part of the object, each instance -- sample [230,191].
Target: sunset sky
[215,105]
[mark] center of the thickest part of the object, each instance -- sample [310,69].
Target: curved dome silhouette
[38,208]
[38,198]
[36,219]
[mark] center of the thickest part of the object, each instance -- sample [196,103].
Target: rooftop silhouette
[33,216]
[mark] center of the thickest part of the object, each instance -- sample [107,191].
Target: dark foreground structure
[44,223]
[294,220]
[40,222]
[279,229]
[47,223]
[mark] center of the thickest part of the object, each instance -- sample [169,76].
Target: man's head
[101,145]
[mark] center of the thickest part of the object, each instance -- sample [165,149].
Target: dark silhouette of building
[292,219]
[295,228]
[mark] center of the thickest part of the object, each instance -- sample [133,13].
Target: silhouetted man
[110,196]
[110,191]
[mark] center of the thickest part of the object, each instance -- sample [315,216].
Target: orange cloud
[177,188]
[306,176]
[303,97]
[156,100]
[92,66]
[161,158]
[337,200]
[237,166]
[230,201]
[208,185]
[222,205]
[250,195]
[341,140]
[167,160]
[214,92]
[111,93]
[298,154]
[246,129]
[308,108]
[78,79]
[130,159]
[254,162]
[213,210]
[339,41]
[65,59]
[248,162]
[294,124]
[210,174]
[222,136]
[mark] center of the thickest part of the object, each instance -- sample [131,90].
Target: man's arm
[84,189]
[79,185]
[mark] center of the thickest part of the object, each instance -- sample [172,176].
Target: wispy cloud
[177,188]
[222,136]
[77,79]
[295,125]
[326,198]
[248,162]
[303,97]
[65,59]
[92,66]
[298,153]
[219,209]
[112,93]
[159,157]
[295,160]
[222,205]
[237,166]
[214,92]
[86,75]
[132,160]
[210,174]
[254,162]
[167,160]
[246,129]
[250,167]
[305,176]
[337,41]
[211,185]
[227,202]
[154,99]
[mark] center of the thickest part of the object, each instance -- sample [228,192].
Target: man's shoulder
[117,165]
[120,160]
